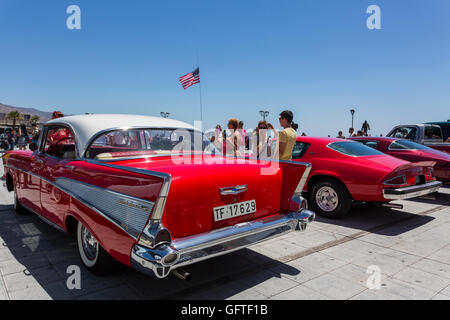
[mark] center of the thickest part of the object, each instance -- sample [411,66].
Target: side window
[58,142]
[409,133]
[432,132]
[299,150]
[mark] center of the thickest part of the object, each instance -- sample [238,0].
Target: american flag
[190,79]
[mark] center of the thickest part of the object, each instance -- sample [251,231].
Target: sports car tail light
[397,181]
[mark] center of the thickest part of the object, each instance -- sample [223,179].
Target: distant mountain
[43,115]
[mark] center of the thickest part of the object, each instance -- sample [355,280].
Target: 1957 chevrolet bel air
[117,182]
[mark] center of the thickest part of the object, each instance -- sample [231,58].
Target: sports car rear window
[354,149]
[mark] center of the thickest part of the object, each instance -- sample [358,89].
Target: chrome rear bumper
[164,258]
[412,192]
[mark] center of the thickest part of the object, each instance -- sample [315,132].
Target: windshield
[137,142]
[354,149]
[406,145]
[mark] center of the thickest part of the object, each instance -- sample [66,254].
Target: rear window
[406,145]
[354,149]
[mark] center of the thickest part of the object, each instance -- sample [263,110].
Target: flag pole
[200,89]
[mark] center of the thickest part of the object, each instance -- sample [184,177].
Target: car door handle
[70,168]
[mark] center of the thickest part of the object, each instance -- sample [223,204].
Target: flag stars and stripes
[190,79]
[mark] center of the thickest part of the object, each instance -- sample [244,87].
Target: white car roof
[85,127]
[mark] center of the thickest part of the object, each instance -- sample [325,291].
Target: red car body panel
[363,176]
[441,159]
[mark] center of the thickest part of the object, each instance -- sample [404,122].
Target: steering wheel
[64,138]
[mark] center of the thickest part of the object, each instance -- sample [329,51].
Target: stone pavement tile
[407,290]
[148,287]
[417,246]
[389,262]
[267,283]
[36,277]
[5,254]
[393,289]
[3,294]
[422,279]
[264,250]
[234,290]
[52,291]
[442,255]
[334,287]
[434,267]
[308,267]
[30,262]
[446,291]
[299,292]
[354,274]
[89,283]
[116,293]
[440,296]
[284,248]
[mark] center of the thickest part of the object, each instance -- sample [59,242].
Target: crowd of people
[11,138]
[235,141]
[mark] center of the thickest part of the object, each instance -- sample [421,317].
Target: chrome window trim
[98,134]
[41,140]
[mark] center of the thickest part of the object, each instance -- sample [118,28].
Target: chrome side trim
[129,212]
[215,243]
[412,192]
[73,195]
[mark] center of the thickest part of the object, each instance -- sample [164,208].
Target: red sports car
[411,151]
[344,171]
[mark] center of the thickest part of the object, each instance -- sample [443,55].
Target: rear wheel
[93,256]
[330,199]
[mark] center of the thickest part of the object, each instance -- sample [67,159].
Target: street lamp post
[352,111]
[264,114]
[165,114]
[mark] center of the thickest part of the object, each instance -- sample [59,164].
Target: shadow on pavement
[378,220]
[34,258]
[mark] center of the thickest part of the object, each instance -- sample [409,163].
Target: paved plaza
[374,253]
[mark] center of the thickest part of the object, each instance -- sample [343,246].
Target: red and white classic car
[116,181]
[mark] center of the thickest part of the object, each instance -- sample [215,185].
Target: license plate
[234,210]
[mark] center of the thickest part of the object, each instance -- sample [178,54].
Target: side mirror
[33,146]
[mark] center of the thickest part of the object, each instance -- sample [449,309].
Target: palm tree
[35,119]
[14,115]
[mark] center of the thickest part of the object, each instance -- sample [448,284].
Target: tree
[35,119]
[14,115]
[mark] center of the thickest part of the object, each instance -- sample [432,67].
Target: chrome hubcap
[327,199]
[90,244]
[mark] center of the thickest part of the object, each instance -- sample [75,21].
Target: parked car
[344,171]
[411,151]
[116,181]
[431,135]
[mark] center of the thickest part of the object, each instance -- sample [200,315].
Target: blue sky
[314,57]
